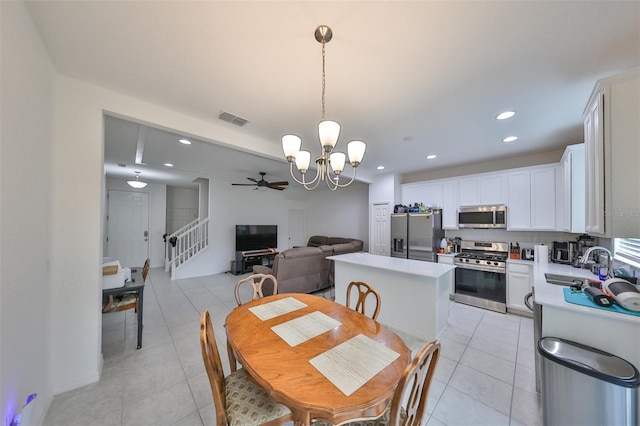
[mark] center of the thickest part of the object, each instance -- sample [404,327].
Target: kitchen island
[414,294]
[616,333]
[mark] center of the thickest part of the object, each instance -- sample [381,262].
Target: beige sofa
[307,269]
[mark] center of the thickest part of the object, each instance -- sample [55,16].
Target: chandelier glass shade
[328,132]
[137,183]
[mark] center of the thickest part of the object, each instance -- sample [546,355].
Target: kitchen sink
[566,280]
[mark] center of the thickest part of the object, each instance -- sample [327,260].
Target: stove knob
[488,262]
[477,261]
[495,263]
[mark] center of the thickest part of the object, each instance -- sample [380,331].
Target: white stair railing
[190,240]
[167,245]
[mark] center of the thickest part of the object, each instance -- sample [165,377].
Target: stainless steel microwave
[484,217]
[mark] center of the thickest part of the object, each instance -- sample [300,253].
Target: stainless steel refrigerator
[416,235]
[399,240]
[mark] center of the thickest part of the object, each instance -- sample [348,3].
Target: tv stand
[248,259]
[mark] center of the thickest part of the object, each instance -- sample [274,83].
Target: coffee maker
[563,252]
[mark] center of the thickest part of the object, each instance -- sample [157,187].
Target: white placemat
[279,307]
[353,363]
[305,327]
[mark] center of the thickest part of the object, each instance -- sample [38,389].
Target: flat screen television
[256,237]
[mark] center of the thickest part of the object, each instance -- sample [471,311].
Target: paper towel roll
[541,253]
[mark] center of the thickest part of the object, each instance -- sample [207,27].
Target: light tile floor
[485,375]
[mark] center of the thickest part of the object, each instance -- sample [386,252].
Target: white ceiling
[409,78]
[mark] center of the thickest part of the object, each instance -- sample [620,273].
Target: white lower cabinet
[447,259]
[518,285]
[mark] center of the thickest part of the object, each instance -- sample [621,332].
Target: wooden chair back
[145,269]
[256,281]
[364,291]
[127,300]
[418,376]
[213,365]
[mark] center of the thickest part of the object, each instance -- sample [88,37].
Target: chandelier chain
[323,80]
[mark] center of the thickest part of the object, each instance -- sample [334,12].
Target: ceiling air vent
[233,119]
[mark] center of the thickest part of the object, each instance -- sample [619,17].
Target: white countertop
[447,254]
[552,294]
[407,266]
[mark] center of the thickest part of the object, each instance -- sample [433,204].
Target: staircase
[190,240]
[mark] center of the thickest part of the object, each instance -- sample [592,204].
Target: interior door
[381,233]
[128,227]
[297,232]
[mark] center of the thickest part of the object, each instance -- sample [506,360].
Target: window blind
[627,250]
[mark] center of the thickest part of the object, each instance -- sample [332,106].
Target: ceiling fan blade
[243,184]
[276,187]
[281,183]
[252,180]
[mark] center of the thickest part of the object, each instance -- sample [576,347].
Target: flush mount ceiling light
[328,132]
[136,183]
[510,139]
[505,115]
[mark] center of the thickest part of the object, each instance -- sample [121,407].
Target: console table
[248,259]
[136,285]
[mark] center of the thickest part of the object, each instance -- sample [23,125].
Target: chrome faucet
[590,250]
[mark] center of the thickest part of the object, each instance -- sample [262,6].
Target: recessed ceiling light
[168,164]
[380,167]
[431,156]
[510,139]
[185,141]
[505,115]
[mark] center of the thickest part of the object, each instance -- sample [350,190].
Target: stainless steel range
[481,275]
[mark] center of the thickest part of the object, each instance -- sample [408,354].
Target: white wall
[65,224]
[340,213]
[26,139]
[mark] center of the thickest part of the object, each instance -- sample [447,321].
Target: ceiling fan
[263,183]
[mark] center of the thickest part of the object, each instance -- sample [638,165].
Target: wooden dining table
[291,374]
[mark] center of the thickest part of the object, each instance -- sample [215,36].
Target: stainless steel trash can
[585,386]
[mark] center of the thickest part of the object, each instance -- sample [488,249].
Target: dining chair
[416,379]
[256,281]
[237,399]
[125,301]
[364,291]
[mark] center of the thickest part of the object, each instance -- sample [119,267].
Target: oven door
[484,289]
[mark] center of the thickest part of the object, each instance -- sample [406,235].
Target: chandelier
[328,132]
[137,183]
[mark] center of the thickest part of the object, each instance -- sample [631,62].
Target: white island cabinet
[414,294]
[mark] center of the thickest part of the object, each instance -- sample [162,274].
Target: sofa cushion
[335,240]
[317,240]
[296,269]
[344,248]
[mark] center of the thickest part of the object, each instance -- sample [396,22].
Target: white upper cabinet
[543,198]
[432,194]
[519,205]
[570,190]
[493,188]
[450,204]
[612,154]
[411,193]
[469,191]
